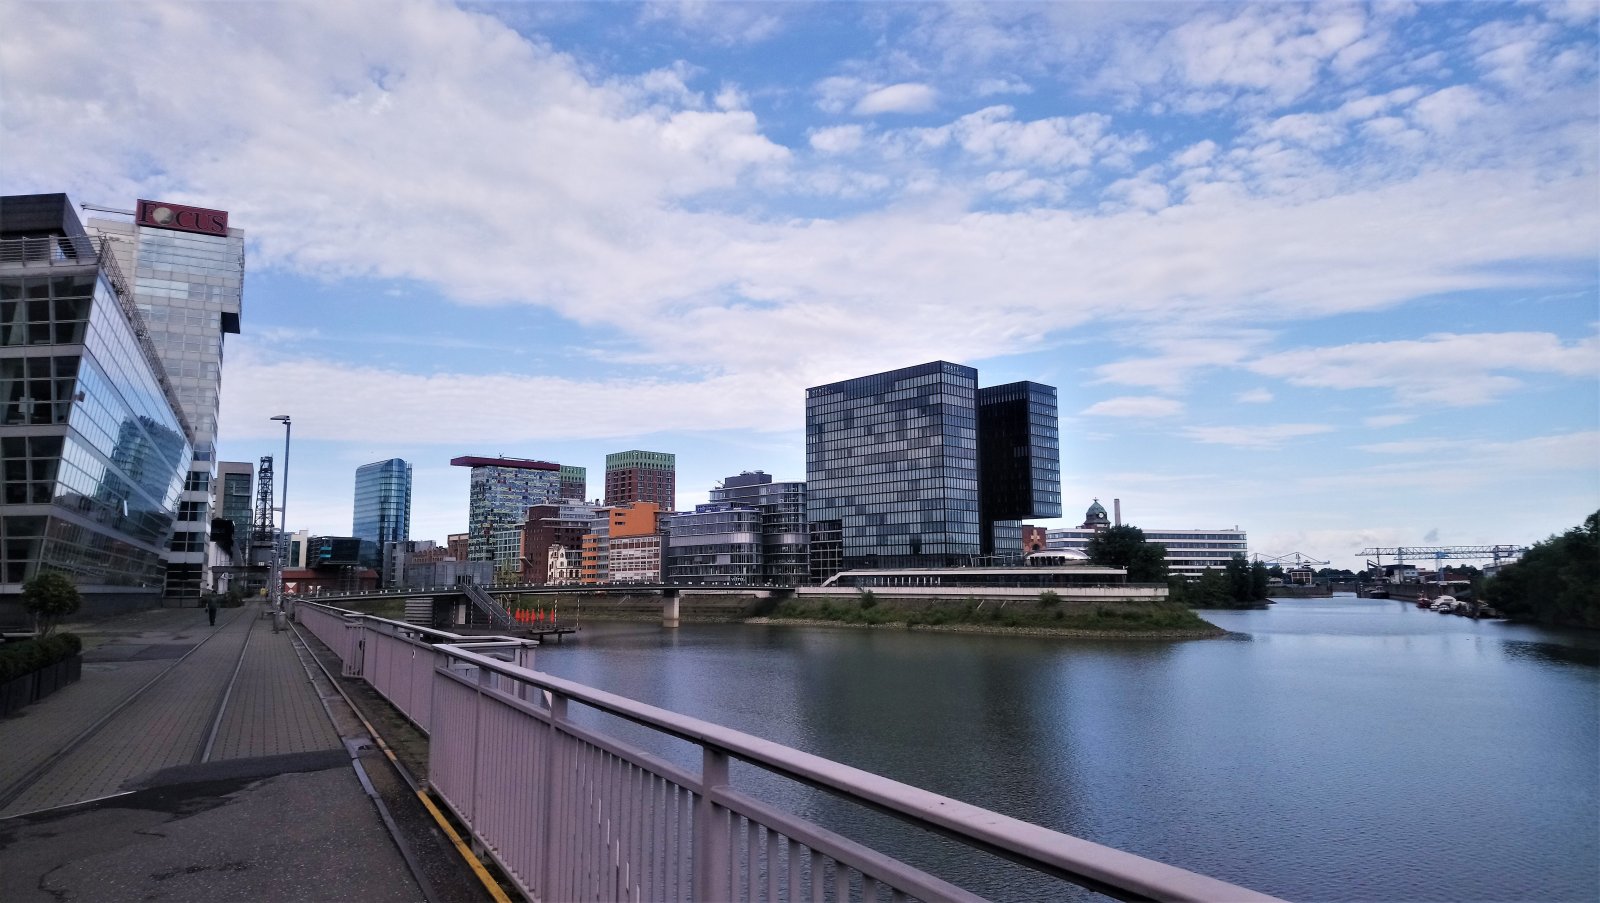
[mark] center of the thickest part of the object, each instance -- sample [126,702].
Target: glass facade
[893,477]
[1019,448]
[501,492]
[893,458]
[785,541]
[383,502]
[189,291]
[235,499]
[717,543]
[92,454]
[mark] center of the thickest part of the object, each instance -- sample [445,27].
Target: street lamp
[283,523]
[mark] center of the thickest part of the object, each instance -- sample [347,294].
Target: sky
[1329,273]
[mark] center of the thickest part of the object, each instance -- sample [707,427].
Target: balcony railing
[569,811]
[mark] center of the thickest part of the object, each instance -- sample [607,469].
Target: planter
[34,686]
[17,692]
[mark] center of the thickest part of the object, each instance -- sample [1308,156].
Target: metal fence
[570,812]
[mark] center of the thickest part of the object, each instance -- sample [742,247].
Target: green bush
[869,599]
[1049,597]
[17,659]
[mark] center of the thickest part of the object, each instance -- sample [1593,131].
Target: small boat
[1445,604]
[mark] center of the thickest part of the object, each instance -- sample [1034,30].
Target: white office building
[1189,552]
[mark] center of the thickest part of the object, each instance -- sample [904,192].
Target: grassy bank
[1101,619]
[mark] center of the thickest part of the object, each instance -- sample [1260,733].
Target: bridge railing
[571,811]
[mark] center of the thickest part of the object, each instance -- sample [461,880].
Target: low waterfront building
[716,543]
[449,572]
[1189,553]
[399,555]
[753,531]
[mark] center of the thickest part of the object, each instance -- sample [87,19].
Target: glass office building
[94,446]
[892,466]
[383,502]
[1019,454]
[502,491]
[894,476]
[185,269]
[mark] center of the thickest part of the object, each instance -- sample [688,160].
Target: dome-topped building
[1095,518]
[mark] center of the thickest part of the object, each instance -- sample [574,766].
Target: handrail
[1031,845]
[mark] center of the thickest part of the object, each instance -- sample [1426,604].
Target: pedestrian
[211,608]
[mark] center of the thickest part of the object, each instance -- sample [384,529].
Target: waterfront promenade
[207,763]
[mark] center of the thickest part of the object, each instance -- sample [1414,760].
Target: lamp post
[283,525]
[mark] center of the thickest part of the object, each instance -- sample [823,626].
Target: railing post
[712,857]
[553,821]
[477,754]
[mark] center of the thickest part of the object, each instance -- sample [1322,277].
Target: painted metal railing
[571,812]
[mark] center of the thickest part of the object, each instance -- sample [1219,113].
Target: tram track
[58,758]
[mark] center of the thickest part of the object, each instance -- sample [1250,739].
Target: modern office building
[1019,462]
[235,502]
[716,543]
[1188,552]
[642,476]
[383,502]
[185,269]
[94,444]
[574,482]
[503,489]
[752,531]
[560,524]
[894,476]
[623,545]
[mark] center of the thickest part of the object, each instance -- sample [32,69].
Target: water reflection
[1343,750]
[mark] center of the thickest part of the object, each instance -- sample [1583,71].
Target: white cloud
[1136,406]
[1445,369]
[837,139]
[1253,396]
[527,408]
[1266,436]
[906,97]
[1383,421]
[989,87]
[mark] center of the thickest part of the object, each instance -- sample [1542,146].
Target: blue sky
[1325,272]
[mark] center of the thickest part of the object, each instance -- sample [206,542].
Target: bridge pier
[669,610]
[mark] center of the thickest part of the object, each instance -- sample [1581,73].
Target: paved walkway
[220,769]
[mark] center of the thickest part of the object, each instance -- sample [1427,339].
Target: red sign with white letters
[162,215]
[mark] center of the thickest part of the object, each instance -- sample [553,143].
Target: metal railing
[571,812]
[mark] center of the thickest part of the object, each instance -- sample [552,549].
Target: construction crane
[1466,553]
[1297,559]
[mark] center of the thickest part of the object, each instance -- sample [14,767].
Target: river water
[1327,749]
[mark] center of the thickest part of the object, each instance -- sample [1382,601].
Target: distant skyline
[1327,273]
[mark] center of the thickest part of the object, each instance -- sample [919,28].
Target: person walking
[211,608]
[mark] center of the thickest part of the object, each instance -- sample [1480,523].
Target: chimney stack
[1116,505]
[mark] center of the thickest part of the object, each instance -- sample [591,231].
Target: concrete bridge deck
[200,763]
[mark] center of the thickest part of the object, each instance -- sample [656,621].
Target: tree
[1556,582]
[1258,581]
[1125,547]
[49,597]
